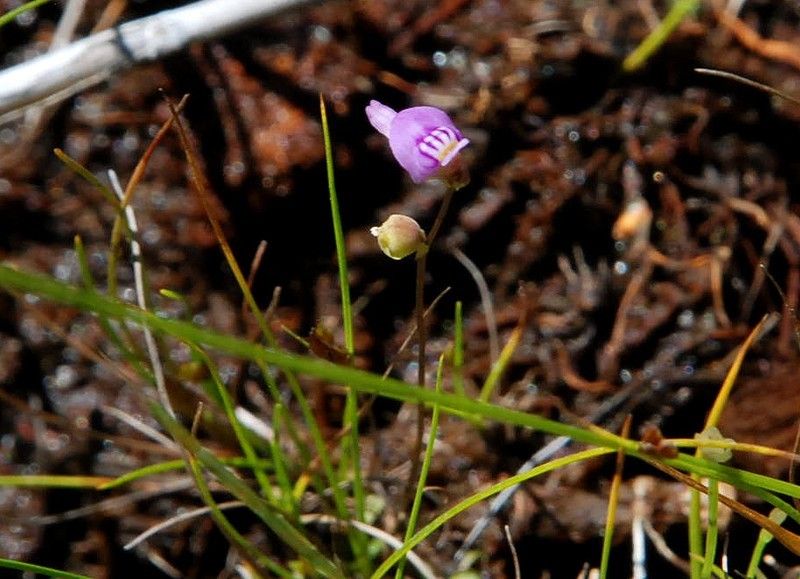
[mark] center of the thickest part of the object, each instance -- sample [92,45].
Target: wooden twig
[778,50]
[98,57]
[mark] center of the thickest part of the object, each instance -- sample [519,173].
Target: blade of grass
[120,224]
[290,500]
[88,282]
[41,570]
[680,9]
[712,530]
[338,233]
[241,436]
[126,350]
[613,502]
[351,401]
[725,391]
[787,538]
[12,14]
[274,520]
[695,528]
[88,176]
[423,473]
[365,382]
[764,538]
[458,350]
[471,501]
[247,549]
[170,465]
[501,364]
[54,481]
[486,301]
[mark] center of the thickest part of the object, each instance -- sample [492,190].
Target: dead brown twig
[777,50]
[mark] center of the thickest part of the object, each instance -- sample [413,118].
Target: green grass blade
[170,465]
[281,472]
[764,538]
[31,568]
[338,234]
[613,503]
[493,379]
[471,501]
[712,530]
[53,481]
[695,533]
[126,352]
[366,382]
[423,472]
[247,549]
[351,402]
[238,430]
[144,472]
[12,14]
[680,9]
[274,520]
[458,350]
[88,176]
[699,565]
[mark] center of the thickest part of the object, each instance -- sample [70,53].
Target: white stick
[141,296]
[97,57]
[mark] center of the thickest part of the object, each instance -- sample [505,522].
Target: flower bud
[399,236]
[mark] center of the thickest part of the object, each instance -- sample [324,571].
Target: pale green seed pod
[399,236]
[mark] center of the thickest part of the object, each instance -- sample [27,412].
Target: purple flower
[422,139]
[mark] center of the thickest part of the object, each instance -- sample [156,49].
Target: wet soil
[625,222]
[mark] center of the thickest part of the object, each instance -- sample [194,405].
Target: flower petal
[380,116]
[424,139]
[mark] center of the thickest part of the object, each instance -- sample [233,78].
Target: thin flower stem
[419,308]
[437,224]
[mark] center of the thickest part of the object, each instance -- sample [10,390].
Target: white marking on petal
[442,144]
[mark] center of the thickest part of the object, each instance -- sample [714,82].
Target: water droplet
[686,319]
[321,34]
[65,377]
[26,19]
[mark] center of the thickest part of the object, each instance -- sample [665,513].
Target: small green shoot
[499,367]
[677,13]
[764,538]
[89,177]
